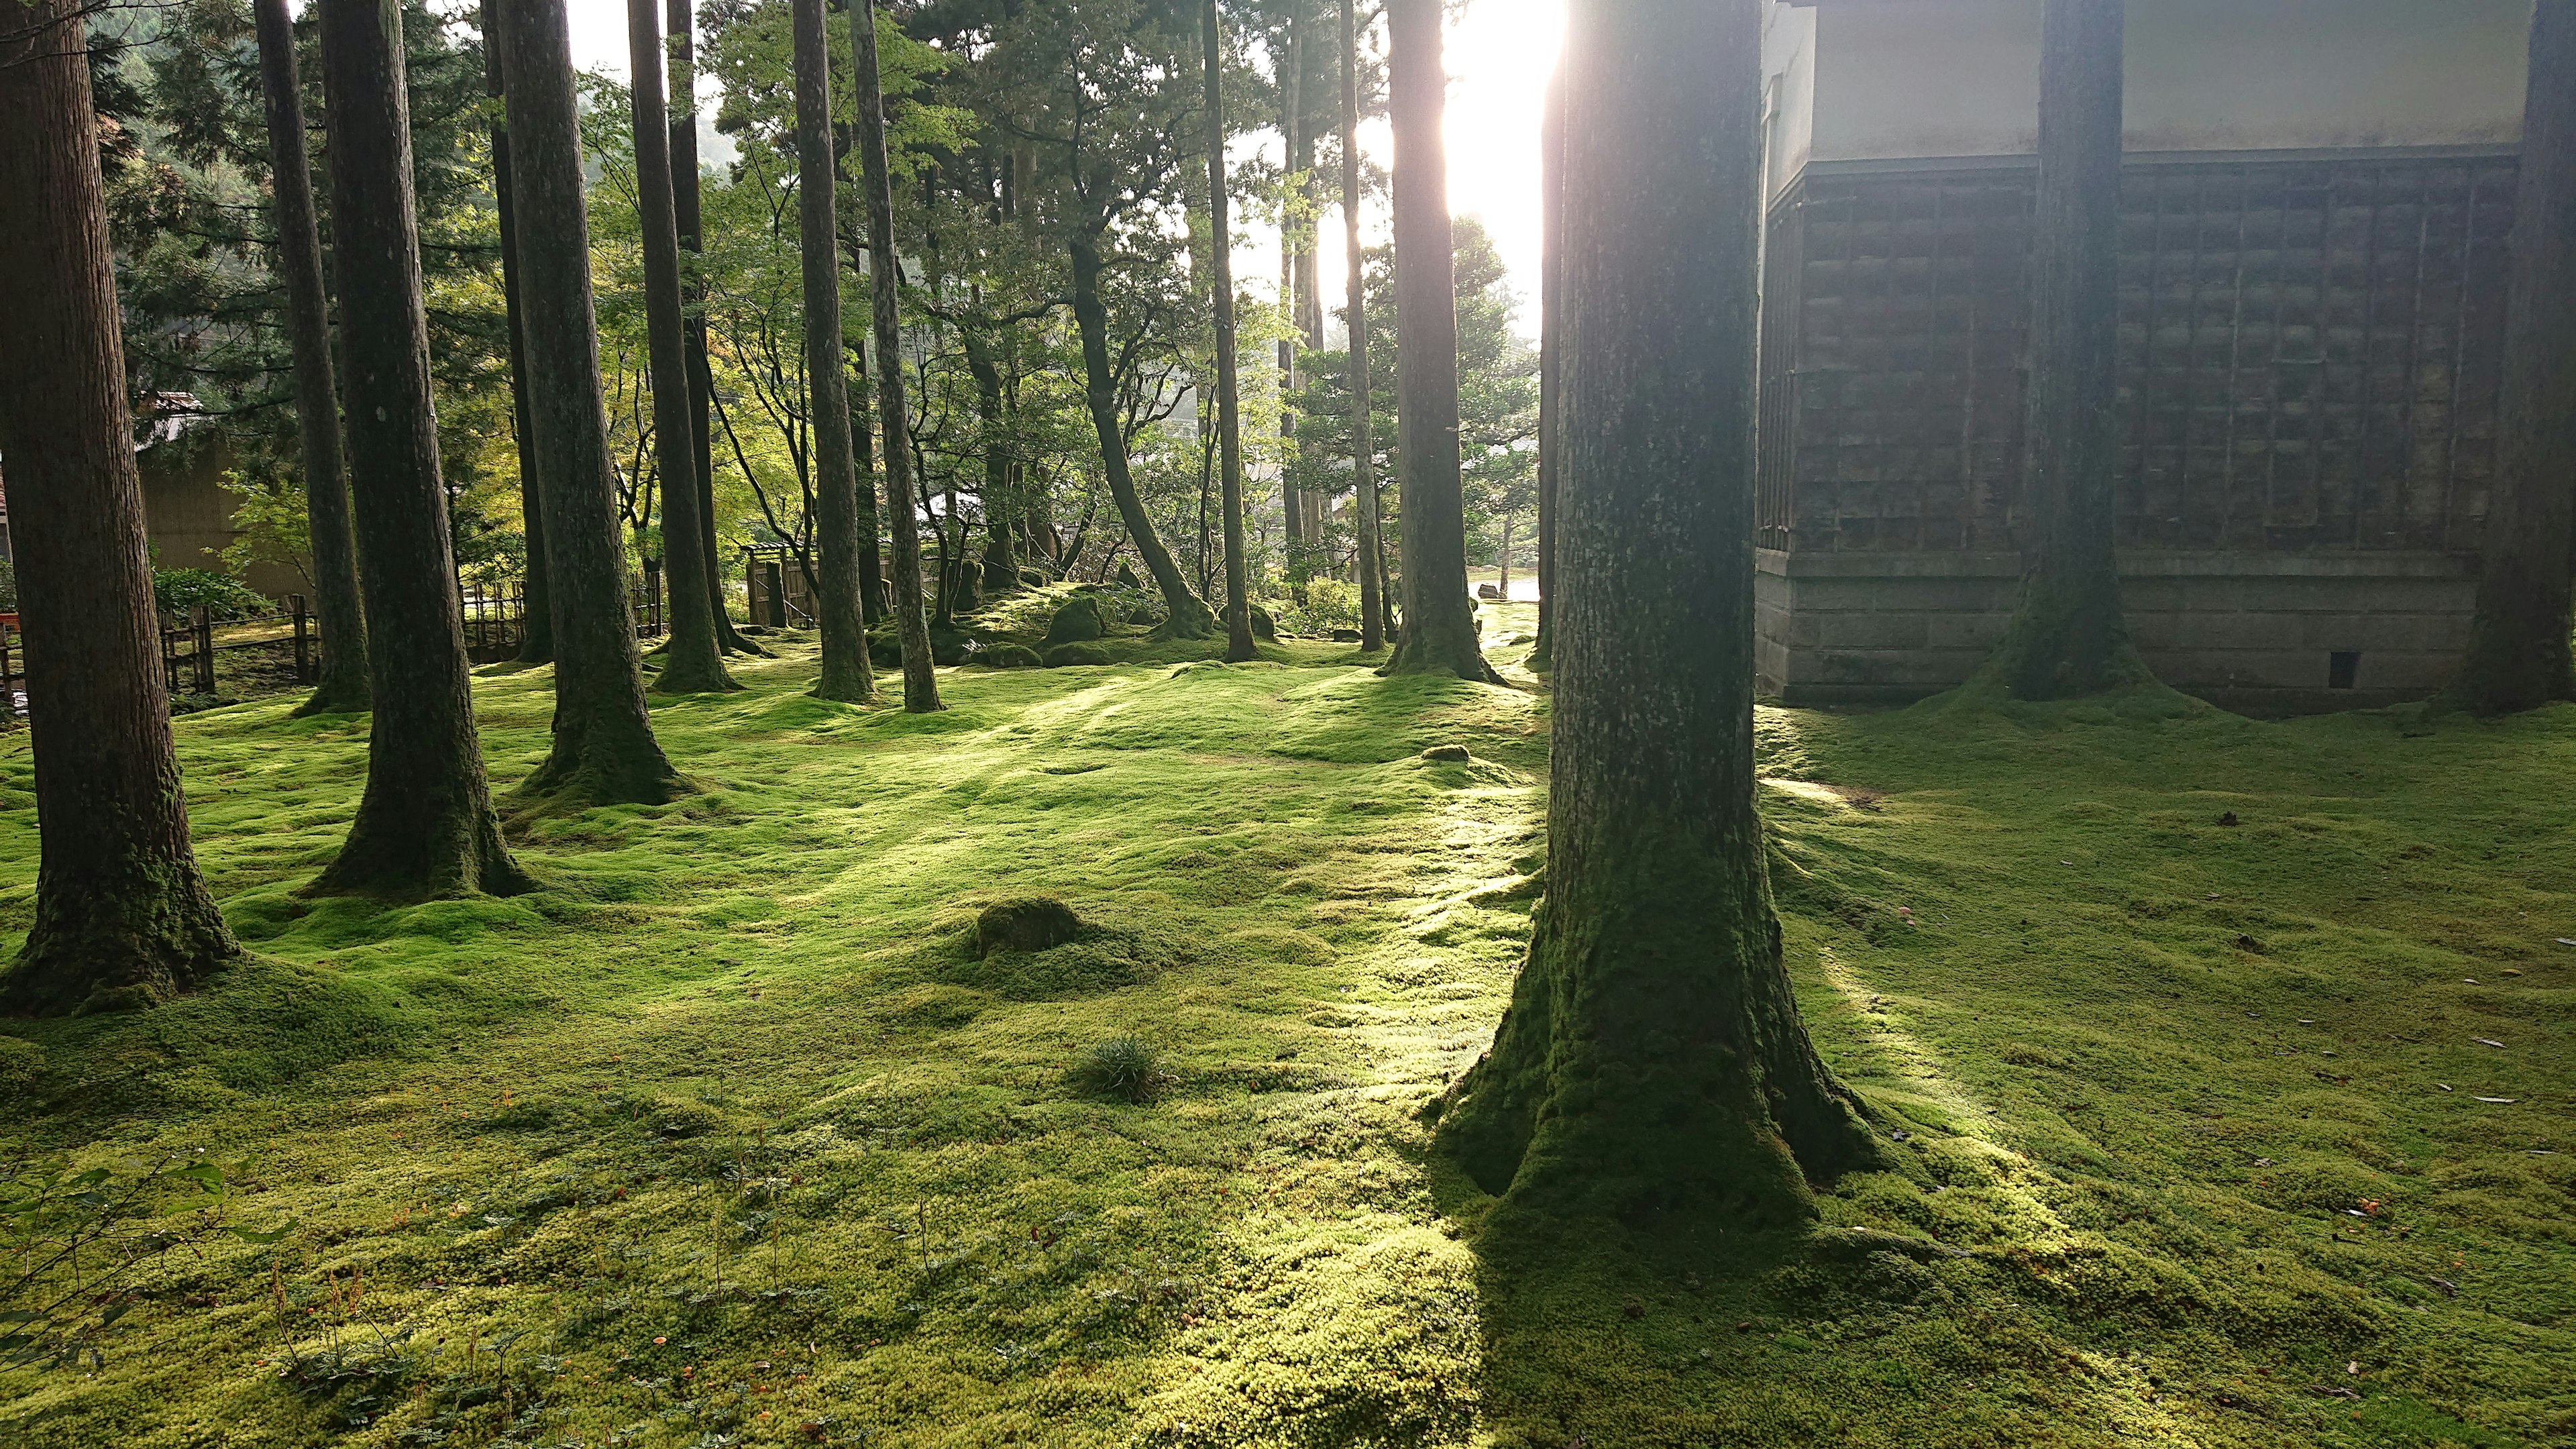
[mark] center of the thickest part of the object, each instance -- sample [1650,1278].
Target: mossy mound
[1007,656]
[1025,923]
[1080,620]
[1084,652]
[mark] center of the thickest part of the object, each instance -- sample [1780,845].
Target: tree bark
[424,825]
[846,676]
[2068,637]
[885,275]
[1439,620]
[688,217]
[1551,289]
[1363,442]
[604,751]
[122,914]
[1001,564]
[1292,499]
[874,606]
[1229,398]
[343,686]
[1653,1061]
[2519,655]
[536,600]
[692,659]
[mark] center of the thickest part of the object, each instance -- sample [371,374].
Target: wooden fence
[496,618]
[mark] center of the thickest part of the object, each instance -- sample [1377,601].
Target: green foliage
[274,527]
[1121,1068]
[179,593]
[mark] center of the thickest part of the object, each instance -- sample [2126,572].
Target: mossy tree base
[2068,639]
[694,677]
[337,697]
[602,767]
[459,854]
[155,936]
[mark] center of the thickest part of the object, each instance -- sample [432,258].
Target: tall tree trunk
[1229,394]
[1439,619]
[536,600]
[121,911]
[874,605]
[604,751]
[1189,617]
[1001,565]
[2518,656]
[2068,637]
[1653,1061]
[885,275]
[1551,294]
[688,215]
[847,675]
[692,660]
[1363,445]
[343,685]
[424,826]
[1503,562]
[1292,499]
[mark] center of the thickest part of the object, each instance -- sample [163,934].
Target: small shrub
[180,591]
[1330,604]
[1122,1069]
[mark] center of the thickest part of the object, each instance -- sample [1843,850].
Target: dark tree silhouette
[343,685]
[2519,657]
[1229,401]
[1439,634]
[2068,637]
[692,660]
[120,907]
[604,751]
[846,675]
[885,274]
[424,825]
[1363,447]
[1653,1060]
[536,623]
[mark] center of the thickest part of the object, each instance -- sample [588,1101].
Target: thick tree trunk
[1229,397]
[424,826]
[885,274]
[1439,619]
[874,604]
[692,660]
[687,214]
[2068,637]
[604,751]
[847,675]
[1363,446]
[1653,1061]
[121,912]
[1190,617]
[343,685]
[2518,656]
[1551,290]
[536,600]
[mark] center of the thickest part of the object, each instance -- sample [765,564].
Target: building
[187,510]
[2316,206]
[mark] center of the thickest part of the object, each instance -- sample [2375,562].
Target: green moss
[2116,1218]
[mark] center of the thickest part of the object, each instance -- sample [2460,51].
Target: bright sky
[1500,53]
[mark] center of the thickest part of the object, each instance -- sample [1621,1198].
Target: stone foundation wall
[2257,633]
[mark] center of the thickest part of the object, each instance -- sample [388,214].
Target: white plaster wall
[1932,78]
[1789,74]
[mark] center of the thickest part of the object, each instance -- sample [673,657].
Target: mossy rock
[1080,620]
[1008,656]
[1084,652]
[1025,923]
[950,646]
[1144,615]
[885,651]
[1263,626]
[676,1117]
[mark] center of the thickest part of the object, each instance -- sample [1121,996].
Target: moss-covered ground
[727,1137]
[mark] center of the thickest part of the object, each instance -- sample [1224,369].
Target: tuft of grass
[1122,1069]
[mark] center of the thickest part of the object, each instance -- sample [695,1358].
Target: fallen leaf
[2487,1041]
[2445,1086]
[2501,1101]
[2449,1288]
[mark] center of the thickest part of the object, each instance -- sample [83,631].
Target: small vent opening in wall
[2341,667]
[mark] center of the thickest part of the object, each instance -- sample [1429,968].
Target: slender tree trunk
[1229,396]
[121,913]
[2068,637]
[536,600]
[885,274]
[343,686]
[687,214]
[1292,499]
[1551,292]
[1439,619]
[1190,617]
[2519,656]
[1001,508]
[1653,1061]
[1363,443]
[604,751]
[692,660]
[1503,562]
[874,605]
[847,675]
[424,826]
